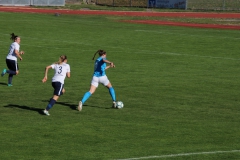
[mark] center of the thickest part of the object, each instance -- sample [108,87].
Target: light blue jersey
[99,67]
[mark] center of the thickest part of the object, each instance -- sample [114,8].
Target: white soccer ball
[119,104]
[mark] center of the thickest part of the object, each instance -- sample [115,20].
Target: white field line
[181,155]
[210,57]
[140,51]
[162,32]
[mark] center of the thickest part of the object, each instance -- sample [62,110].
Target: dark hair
[13,36]
[100,52]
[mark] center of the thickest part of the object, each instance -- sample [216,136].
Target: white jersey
[60,72]
[11,54]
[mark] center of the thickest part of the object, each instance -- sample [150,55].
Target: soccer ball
[119,104]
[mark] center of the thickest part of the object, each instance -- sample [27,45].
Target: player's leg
[112,93]
[13,69]
[108,84]
[86,96]
[58,90]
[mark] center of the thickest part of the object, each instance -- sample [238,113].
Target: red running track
[143,14]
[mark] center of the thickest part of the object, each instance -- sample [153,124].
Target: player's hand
[20,59]
[44,79]
[112,65]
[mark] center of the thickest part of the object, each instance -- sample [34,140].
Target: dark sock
[10,77]
[51,103]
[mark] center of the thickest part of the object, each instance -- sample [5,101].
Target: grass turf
[180,88]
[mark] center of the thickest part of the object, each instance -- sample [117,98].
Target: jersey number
[60,70]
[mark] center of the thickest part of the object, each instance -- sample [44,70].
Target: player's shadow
[96,107]
[39,110]
[4,84]
[72,106]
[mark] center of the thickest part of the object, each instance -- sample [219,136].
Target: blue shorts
[12,65]
[58,87]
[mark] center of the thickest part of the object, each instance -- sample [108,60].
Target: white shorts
[96,80]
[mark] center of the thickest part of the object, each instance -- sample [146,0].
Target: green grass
[180,87]
[223,21]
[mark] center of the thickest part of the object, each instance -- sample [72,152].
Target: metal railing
[32,2]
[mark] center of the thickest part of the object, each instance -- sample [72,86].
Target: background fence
[128,3]
[190,4]
[213,4]
[33,2]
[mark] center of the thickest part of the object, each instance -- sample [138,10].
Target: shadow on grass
[97,107]
[4,84]
[39,110]
[74,106]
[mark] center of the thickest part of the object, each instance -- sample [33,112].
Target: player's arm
[107,67]
[46,73]
[68,74]
[111,63]
[18,54]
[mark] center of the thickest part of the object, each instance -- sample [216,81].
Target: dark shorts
[58,87]
[12,65]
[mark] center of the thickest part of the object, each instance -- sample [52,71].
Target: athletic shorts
[12,65]
[58,87]
[96,80]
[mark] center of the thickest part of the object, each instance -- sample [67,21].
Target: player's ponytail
[100,52]
[13,36]
[95,54]
[62,58]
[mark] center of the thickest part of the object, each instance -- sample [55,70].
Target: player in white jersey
[62,69]
[99,76]
[11,59]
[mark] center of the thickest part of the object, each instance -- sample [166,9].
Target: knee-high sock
[112,93]
[85,97]
[51,103]
[10,77]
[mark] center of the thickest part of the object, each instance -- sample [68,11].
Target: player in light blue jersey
[99,76]
[62,69]
[11,59]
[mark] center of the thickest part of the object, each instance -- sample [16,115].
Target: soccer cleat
[4,72]
[114,105]
[10,85]
[79,108]
[46,112]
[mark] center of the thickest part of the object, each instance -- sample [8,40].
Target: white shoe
[46,112]
[79,108]
[114,105]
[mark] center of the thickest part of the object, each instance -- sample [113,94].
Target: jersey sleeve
[53,66]
[16,46]
[68,68]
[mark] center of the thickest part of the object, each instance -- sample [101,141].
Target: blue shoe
[4,72]
[10,85]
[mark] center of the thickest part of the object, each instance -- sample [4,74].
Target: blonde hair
[62,58]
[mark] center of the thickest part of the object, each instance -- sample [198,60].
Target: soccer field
[180,89]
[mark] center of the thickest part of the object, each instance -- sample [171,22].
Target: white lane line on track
[181,155]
